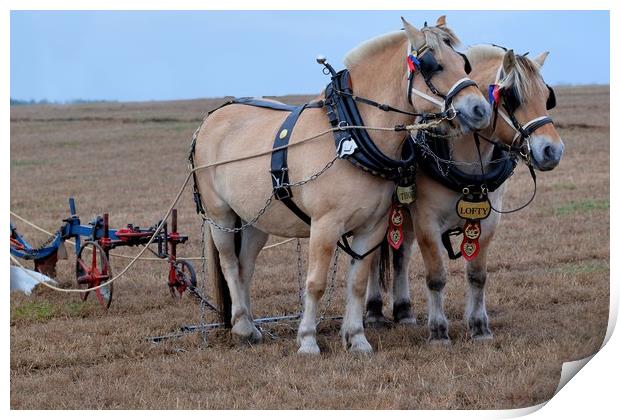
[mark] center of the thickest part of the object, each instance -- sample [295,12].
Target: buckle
[281,192]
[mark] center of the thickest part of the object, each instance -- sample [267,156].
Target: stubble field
[547,294]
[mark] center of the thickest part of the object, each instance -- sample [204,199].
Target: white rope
[114,254]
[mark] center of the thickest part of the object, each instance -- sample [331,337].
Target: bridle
[423,61]
[510,101]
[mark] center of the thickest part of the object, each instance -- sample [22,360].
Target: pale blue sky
[136,56]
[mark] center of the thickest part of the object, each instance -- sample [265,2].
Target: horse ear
[540,58]
[416,37]
[509,61]
[441,21]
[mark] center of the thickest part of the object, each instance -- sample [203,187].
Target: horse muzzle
[474,113]
[546,154]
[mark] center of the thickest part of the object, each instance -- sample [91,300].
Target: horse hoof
[483,337]
[359,344]
[247,333]
[403,314]
[438,331]
[377,322]
[411,321]
[439,342]
[309,349]
[479,329]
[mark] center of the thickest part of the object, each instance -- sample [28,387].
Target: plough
[93,243]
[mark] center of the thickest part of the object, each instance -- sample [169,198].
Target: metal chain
[422,142]
[300,276]
[203,303]
[268,202]
[48,241]
[332,284]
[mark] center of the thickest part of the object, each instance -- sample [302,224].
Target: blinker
[428,64]
[551,103]
[512,100]
[467,63]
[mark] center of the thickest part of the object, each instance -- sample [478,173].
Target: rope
[412,127]
[128,257]
[420,126]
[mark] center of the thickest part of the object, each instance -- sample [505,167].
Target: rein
[529,166]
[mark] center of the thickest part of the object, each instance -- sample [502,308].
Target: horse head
[521,101]
[438,76]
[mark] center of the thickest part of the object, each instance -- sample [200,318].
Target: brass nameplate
[474,210]
[405,195]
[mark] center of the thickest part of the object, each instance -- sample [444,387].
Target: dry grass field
[548,291]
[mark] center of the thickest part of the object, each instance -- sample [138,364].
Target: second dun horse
[471,166]
[402,69]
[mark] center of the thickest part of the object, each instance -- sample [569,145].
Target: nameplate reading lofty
[474,210]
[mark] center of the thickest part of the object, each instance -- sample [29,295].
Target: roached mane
[435,37]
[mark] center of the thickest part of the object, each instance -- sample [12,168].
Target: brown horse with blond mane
[522,125]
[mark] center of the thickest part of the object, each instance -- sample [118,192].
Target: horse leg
[252,242]
[475,311]
[374,302]
[321,248]
[352,330]
[428,240]
[401,302]
[242,326]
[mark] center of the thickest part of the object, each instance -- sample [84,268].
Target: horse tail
[222,292]
[385,265]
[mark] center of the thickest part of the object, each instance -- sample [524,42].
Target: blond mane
[524,76]
[435,38]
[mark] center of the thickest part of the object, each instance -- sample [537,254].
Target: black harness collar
[354,144]
[453,178]
[504,162]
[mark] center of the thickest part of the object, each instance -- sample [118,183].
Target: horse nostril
[549,153]
[479,111]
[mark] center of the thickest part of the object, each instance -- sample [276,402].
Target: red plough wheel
[181,277]
[92,269]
